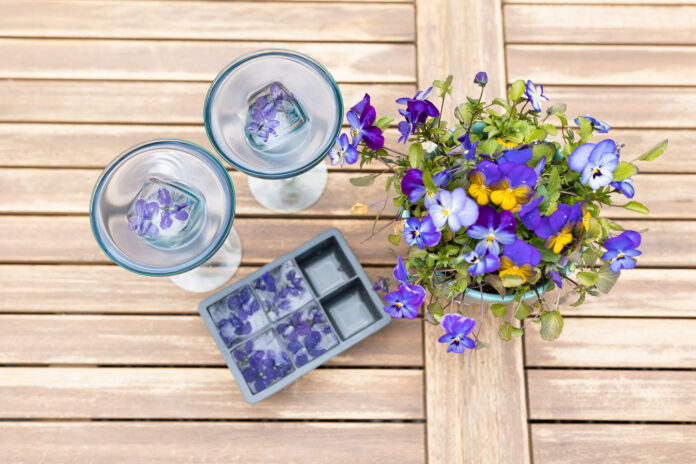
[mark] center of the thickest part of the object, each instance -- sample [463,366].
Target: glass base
[292,194]
[215,272]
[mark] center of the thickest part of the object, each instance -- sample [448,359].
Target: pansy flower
[465,148]
[413,186]
[142,221]
[381,285]
[405,127]
[529,213]
[519,259]
[343,151]
[622,250]
[419,107]
[362,104]
[492,229]
[362,127]
[535,93]
[600,127]
[404,302]
[481,79]
[596,162]
[456,328]
[481,179]
[400,272]
[516,186]
[625,186]
[263,123]
[422,233]
[169,210]
[555,273]
[517,155]
[455,209]
[481,263]
[557,229]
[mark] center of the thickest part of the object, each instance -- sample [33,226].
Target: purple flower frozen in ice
[142,222]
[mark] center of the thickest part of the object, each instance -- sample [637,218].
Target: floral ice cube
[262,361]
[275,120]
[306,334]
[165,214]
[238,316]
[282,290]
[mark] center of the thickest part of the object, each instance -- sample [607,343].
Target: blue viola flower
[423,232]
[362,104]
[557,229]
[381,285]
[519,259]
[169,210]
[596,162]
[265,283]
[233,328]
[481,179]
[481,79]
[622,250]
[454,209]
[529,213]
[293,285]
[625,186]
[600,127]
[539,168]
[535,93]
[362,127]
[142,222]
[493,230]
[400,272]
[457,328]
[419,107]
[465,148]
[413,186]
[406,127]
[343,151]
[404,302]
[481,263]
[516,155]
[263,124]
[555,273]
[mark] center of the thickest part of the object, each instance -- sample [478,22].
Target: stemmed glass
[275,115]
[165,208]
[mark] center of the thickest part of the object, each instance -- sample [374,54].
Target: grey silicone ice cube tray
[293,315]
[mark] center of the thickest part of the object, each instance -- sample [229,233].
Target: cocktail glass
[275,115]
[165,208]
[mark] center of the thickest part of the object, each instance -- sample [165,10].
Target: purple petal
[164,197]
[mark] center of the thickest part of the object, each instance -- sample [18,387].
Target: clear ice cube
[275,121]
[306,334]
[262,361]
[282,290]
[238,316]
[165,214]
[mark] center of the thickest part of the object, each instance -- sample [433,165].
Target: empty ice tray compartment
[325,266]
[350,309]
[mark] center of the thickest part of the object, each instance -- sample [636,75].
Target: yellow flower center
[445,212]
[490,238]
[559,240]
[507,267]
[354,133]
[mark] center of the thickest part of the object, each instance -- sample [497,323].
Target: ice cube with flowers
[505,202]
[282,290]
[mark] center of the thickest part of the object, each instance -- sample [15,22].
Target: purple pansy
[406,127]
[493,229]
[529,213]
[557,229]
[535,94]
[362,128]
[465,148]
[596,162]
[179,212]
[419,107]
[263,123]
[455,209]
[539,168]
[343,151]
[456,328]
[381,285]
[622,250]
[516,155]
[413,186]
[400,272]
[556,273]
[600,127]
[625,186]
[519,260]
[423,232]
[362,104]
[404,302]
[481,79]
[481,263]
[142,222]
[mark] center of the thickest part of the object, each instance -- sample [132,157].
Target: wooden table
[100,365]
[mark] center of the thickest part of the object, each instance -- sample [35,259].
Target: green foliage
[637,207]
[551,325]
[516,91]
[522,311]
[624,171]
[654,152]
[498,309]
[363,181]
[505,331]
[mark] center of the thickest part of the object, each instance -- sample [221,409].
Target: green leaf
[522,311]
[556,108]
[541,150]
[588,279]
[505,331]
[606,279]
[495,282]
[536,134]
[498,309]
[590,256]
[511,280]
[551,325]
[435,309]
[363,181]
[624,171]
[637,207]
[415,155]
[428,181]
[444,86]
[517,332]
[554,184]
[550,128]
[501,102]
[415,252]
[383,122]
[654,152]
[516,90]
[394,239]
[585,129]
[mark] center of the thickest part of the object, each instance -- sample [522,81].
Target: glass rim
[272,52]
[187,265]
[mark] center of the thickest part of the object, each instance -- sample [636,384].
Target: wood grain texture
[33,191]
[615,342]
[190,393]
[659,396]
[207,20]
[198,442]
[168,340]
[618,444]
[602,65]
[600,24]
[141,102]
[475,413]
[605,2]
[191,61]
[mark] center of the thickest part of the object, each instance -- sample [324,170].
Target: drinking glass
[275,115]
[165,208]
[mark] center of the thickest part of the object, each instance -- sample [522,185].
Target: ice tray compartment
[325,266]
[282,290]
[350,309]
[306,334]
[238,315]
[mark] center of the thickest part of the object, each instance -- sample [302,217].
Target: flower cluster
[262,361]
[307,334]
[502,202]
[264,110]
[282,290]
[144,221]
[240,321]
